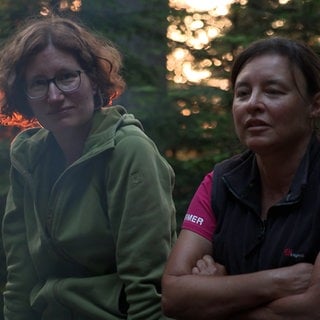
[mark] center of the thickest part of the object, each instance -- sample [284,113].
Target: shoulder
[114,122]
[29,136]
[199,217]
[129,134]
[27,148]
[29,140]
[232,163]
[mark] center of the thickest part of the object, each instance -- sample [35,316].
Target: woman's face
[270,112]
[59,111]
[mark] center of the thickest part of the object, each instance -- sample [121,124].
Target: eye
[37,83]
[274,91]
[242,92]
[67,77]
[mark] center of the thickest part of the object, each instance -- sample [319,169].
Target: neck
[72,144]
[277,171]
[278,167]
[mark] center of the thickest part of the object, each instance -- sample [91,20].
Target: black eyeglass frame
[54,79]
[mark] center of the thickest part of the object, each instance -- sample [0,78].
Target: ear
[315,105]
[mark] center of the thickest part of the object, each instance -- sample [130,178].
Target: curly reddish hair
[96,55]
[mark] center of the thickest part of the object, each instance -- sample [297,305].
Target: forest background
[177,60]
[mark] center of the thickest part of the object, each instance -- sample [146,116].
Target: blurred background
[177,58]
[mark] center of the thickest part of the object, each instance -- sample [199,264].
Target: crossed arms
[195,287]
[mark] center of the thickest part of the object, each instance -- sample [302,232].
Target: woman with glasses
[89,219]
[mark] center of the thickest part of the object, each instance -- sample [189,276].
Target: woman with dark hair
[250,241]
[89,219]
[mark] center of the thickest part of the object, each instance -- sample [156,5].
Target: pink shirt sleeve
[199,217]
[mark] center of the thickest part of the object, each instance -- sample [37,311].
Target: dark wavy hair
[96,55]
[298,53]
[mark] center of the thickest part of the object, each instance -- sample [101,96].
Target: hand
[293,279]
[208,267]
[302,306]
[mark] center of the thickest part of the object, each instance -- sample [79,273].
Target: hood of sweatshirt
[29,145]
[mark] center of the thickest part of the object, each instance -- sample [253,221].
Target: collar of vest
[243,178]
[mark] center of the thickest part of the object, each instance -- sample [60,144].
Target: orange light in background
[44,11]
[204,22]
[219,6]
[18,121]
[64,4]
[75,6]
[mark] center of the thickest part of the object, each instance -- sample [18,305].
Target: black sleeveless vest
[244,243]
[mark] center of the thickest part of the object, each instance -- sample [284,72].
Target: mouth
[60,111]
[255,124]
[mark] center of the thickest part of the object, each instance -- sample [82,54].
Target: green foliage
[251,21]
[138,28]
[296,19]
[12,14]
[191,124]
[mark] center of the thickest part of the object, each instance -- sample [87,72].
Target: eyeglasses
[67,81]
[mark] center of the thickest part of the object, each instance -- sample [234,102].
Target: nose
[255,102]
[54,93]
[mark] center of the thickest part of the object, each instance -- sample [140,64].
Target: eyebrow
[62,70]
[276,81]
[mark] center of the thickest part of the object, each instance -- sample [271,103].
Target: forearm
[144,227]
[296,307]
[219,296]
[21,275]
[216,297]
[141,256]
[293,307]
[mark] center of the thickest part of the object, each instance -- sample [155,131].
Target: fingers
[195,271]
[205,267]
[208,259]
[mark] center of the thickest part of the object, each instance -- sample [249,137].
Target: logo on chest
[288,252]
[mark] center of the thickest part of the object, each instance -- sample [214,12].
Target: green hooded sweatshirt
[88,241]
